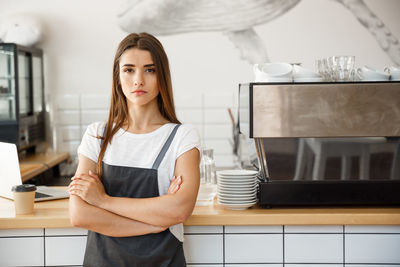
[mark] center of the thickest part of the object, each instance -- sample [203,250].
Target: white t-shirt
[140,150]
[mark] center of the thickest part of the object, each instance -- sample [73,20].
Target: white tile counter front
[295,246]
[214,236]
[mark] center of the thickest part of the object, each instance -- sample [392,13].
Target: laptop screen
[9,169]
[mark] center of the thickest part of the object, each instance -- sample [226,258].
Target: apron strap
[164,149]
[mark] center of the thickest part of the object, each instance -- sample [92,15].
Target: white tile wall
[21,232]
[188,101]
[216,116]
[71,147]
[253,248]
[314,229]
[314,248]
[71,133]
[65,231]
[12,249]
[254,265]
[90,116]
[372,248]
[203,229]
[63,102]
[218,100]
[373,229]
[221,131]
[315,265]
[220,146]
[95,102]
[371,265]
[65,250]
[190,116]
[203,248]
[224,160]
[265,229]
[68,117]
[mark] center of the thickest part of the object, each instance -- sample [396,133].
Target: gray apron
[161,249]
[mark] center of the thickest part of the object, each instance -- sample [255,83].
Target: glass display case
[21,96]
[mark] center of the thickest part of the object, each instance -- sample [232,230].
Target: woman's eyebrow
[133,65]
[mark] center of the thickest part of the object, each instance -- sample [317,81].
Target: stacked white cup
[370,74]
[273,72]
[394,73]
[301,74]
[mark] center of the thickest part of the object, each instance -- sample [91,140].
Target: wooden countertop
[33,165]
[54,214]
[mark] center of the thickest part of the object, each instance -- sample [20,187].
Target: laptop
[10,175]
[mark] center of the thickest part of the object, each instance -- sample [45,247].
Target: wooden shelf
[40,162]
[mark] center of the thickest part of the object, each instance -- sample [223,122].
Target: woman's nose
[138,80]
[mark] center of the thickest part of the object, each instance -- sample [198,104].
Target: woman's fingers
[80,182]
[83,177]
[89,177]
[78,186]
[92,174]
[76,192]
[175,185]
[171,185]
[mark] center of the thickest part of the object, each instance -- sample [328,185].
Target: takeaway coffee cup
[24,197]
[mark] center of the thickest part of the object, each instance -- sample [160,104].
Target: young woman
[138,173]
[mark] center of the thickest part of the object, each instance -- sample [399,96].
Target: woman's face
[138,77]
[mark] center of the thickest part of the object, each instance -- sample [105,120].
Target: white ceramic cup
[273,72]
[394,73]
[300,72]
[370,74]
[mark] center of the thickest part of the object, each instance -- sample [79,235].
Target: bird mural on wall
[237,20]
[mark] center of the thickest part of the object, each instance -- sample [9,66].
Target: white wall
[81,38]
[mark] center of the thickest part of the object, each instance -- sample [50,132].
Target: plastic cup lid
[24,188]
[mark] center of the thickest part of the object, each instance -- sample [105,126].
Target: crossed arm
[93,209]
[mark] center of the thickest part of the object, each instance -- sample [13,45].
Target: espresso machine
[324,144]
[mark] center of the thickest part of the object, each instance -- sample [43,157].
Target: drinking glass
[342,68]
[323,69]
[207,167]
[208,178]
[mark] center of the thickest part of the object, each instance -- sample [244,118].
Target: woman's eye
[151,70]
[128,70]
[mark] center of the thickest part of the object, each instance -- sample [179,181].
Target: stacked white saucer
[303,75]
[237,189]
[370,74]
[273,72]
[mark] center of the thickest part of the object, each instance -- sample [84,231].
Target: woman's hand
[89,188]
[175,185]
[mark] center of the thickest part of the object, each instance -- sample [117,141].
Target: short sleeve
[90,145]
[188,138]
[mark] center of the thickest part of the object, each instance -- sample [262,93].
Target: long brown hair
[118,114]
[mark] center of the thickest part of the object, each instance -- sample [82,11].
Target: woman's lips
[139,92]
